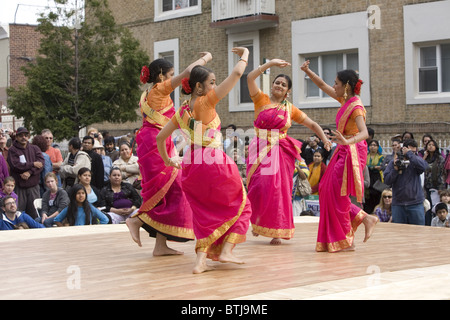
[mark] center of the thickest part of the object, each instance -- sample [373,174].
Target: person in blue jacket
[80,212]
[12,219]
[403,173]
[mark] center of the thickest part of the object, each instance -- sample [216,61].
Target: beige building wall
[388,112]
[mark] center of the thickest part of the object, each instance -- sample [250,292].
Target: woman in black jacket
[121,199]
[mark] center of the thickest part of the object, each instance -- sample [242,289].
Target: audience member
[384,209]
[434,175]
[110,148]
[54,153]
[8,188]
[4,171]
[444,197]
[301,171]
[425,138]
[329,135]
[407,191]
[75,160]
[127,163]
[242,166]
[230,129]
[14,219]
[309,148]
[374,161]
[95,134]
[54,200]
[317,169]
[3,148]
[107,162]
[93,194]
[133,144]
[371,137]
[396,146]
[41,143]
[121,199]
[407,136]
[97,168]
[441,219]
[79,212]
[26,163]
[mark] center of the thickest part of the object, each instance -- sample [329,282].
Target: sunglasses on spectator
[387,197]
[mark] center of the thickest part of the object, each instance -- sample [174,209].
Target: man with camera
[403,173]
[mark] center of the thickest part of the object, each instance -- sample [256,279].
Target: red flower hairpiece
[145,74]
[358,87]
[185,85]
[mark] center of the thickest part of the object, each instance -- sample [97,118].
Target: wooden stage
[103,263]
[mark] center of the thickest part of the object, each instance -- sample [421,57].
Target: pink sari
[339,218]
[213,186]
[270,168]
[165,208]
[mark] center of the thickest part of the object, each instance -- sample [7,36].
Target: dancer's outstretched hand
[305,66]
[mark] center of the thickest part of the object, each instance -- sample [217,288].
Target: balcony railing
[233,9]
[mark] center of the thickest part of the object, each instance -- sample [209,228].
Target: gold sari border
[175,231]
[273,233]
[204,243]
[152,116]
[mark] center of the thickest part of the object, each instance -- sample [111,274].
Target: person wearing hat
[26,163]
[107,162]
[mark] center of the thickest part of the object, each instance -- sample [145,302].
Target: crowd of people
[393,192]
[98,182]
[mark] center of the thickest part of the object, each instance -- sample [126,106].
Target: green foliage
[81,76]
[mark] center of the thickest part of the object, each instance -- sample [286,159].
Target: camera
[401,162]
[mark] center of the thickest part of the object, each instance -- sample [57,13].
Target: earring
[345,92]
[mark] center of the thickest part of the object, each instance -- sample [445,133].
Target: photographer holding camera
[403,173]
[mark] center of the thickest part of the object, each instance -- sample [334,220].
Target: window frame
[234,104]
[160,15]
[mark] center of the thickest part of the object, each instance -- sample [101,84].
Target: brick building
[401,49]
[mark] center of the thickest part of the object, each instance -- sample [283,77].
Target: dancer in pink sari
[272,155]
[211,180]
[165,212]
[339,218]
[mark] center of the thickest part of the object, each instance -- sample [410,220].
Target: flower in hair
[145,74]
[358,87]
[185,85]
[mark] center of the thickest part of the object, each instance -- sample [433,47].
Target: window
[326,66]
[171,9]
[338,42]
[434,69]
[169,5]
[427,53]
[169,50]
[239,97]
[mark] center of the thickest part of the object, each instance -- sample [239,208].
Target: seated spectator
[107,162]
[97,168]
[434,175]
[13,219]
[41,143]
[383,210]
[444,197]
[75,160]
[110,148]
[127,163]
[94,196]
[54,153]
[121,199]
[54,200]
[441,219]
[317,169]
[8,188]
[80,212]
[374,161]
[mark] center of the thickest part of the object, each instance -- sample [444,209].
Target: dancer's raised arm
[251,77]
[318,81]
[205,57]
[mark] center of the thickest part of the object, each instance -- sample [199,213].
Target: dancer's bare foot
[134,224]
[254,233]
[161,248]
[369,222]
[200,264]
[351,248]
[275,241]
[226,256]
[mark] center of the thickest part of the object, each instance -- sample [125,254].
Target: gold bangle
[204,60]
[259,68]
[243,60]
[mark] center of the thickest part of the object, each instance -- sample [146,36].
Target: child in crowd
[383,209]
[441,219]
[8,188]
[444,197]
[80,212]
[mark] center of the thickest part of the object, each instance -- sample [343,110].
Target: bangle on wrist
[243,60]
[259,68]
[204,60]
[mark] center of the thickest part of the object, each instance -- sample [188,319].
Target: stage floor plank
[102,262]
